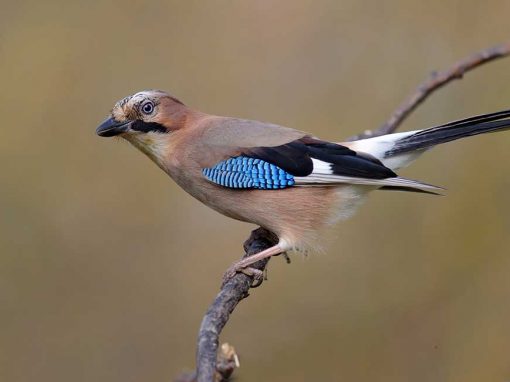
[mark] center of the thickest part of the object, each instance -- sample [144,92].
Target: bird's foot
[244,265]
[257,275]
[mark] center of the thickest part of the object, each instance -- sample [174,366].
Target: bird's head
[146,119]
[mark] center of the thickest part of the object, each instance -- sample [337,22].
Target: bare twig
[231,293]
[436,81]
[213,368]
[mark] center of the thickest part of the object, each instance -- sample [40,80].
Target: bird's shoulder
[245,133]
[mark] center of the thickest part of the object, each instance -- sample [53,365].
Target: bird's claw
[257,275]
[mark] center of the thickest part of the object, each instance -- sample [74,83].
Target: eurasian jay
[287,181]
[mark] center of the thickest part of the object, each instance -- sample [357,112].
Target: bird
[287,181]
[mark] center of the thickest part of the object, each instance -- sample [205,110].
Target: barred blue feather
[245,172]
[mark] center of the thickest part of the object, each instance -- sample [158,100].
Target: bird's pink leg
[243,265]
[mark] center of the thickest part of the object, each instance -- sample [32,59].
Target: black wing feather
[292,157]
[296,158]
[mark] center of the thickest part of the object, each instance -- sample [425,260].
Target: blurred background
[106,266]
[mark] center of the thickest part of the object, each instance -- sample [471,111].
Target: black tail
[481,124]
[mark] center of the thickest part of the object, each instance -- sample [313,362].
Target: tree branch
[218,314]
[436,81]
[218,368]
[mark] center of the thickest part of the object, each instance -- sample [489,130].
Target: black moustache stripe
[146,127]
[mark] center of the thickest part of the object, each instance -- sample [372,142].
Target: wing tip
[410,189]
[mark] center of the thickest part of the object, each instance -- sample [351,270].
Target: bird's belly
[296,214]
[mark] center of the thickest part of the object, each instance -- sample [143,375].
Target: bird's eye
[147,108]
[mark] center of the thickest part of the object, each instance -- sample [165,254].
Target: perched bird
[285,180]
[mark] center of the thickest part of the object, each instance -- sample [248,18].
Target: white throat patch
[153,144]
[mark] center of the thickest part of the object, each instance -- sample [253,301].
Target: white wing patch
[320,167]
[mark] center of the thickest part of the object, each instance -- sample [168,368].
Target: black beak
[110,128]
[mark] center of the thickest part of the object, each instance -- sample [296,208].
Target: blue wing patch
[246,172]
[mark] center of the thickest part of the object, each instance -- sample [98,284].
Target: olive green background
[106,266]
